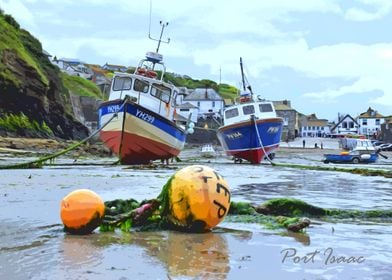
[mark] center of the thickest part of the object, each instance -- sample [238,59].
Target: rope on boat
[39,162]
[261,142]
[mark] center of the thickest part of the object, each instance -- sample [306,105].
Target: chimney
[206,94]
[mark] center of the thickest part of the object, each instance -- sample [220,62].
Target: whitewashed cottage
[370,122]
[209,102]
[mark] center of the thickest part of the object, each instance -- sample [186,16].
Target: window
[161,92]
[377,121]
[364,122]
[141,86]
[198,103]
[213,104]
[248,109]
[351,124]
[231,113]
[184,110]
[122,83]
[264,108]
[344,124]
[286,121]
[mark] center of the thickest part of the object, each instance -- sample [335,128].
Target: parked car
[377,143]
[385,147]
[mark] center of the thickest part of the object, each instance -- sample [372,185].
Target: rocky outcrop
[36,91]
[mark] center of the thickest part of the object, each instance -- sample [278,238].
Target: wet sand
[33,245]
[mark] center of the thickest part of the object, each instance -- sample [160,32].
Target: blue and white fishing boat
[251,129]
[138,121]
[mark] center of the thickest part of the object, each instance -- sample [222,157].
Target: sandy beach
[34,246]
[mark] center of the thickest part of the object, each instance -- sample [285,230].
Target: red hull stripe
[136,149]
[255,156]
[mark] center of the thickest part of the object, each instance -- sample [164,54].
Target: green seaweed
[359,171]
[289,207]
[241,208]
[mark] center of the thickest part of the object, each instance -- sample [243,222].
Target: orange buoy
[199,198]
[82,211]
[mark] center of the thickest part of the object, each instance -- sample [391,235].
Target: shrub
[11,21]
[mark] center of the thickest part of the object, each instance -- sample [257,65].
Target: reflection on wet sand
[78,250]
[300,237]
[184,254]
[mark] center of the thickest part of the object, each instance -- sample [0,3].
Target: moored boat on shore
[251,129]
[208,151]
[138,119]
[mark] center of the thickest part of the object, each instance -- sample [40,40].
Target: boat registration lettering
[144,116]
[234,135]
[113,108]
[273,129]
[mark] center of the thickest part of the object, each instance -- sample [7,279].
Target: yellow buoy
[198,198]
[82,211]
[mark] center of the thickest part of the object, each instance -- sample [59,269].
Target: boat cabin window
[248,109]
[265,108]
[122,83]
[140,85]
[161,92]
[231,113]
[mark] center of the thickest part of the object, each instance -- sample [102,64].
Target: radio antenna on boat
[163,25]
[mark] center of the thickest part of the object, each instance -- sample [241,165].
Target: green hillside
[81,86]
[23,44]
[34,99]
[225,90]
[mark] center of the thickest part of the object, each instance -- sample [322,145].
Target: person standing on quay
[303,143]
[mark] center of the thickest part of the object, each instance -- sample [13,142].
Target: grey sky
[326,56]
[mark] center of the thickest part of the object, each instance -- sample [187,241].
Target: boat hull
[241,140]
[138,135]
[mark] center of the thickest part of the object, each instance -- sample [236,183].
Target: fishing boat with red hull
[251,129]
[137,122]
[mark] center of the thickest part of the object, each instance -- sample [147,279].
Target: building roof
[370,113]
[342,119]
[114,66]
[73,61]
[203,94]
[187,105]
[317,123]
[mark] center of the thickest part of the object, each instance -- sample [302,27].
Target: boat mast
[242,74]
[244,78]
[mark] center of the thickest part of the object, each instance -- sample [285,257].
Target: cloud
[19,11]
[378,9]
[369,66]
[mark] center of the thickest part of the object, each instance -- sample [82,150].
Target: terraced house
[311,126]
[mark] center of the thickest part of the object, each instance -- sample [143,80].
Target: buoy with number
[198,198]
[82,211]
